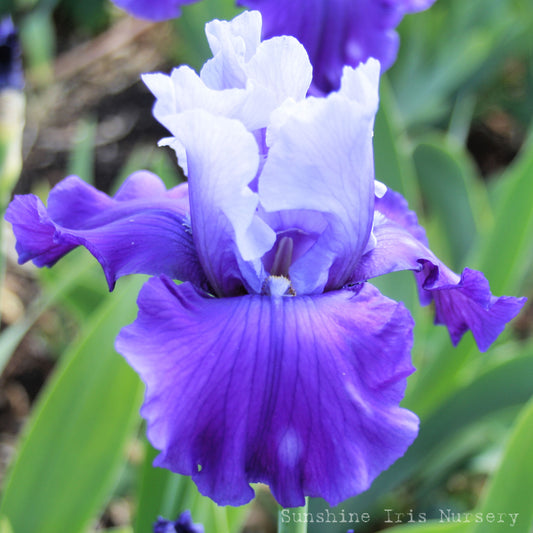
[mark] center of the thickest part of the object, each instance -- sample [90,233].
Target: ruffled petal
[233,44]
[245,80]
[461,302]
[143,229]
[222,159]
[184,90]
[301,393]
[153,10]
[279,65]
[321,160]
[337,32]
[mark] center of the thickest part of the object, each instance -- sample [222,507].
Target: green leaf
[287,522]
[5,526]
[452,193]
[505,251]
[511,488]
[394,165]
[12,335]
[81,157]
[432,526]
[478,36]
[74,443]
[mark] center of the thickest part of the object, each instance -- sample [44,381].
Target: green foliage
[74,446]
[458,61]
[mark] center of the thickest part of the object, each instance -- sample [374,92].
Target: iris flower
[338,32]
[183,524]
[156,10]
[11,73]
[275,360]
[334,32]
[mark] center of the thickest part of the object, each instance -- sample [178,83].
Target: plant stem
[293,520]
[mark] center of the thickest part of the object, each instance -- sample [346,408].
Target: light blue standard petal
[222,159]
[233,43]
[245,80]
[337,32]
[301,393]
[156,10]
[320,159]
[462,303]
[144,229]
[184,90]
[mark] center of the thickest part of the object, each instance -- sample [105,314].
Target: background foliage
[454,134]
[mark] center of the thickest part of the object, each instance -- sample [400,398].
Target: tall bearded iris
[275,361]
[334,32]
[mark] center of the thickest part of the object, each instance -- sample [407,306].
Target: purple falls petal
[143,229]
[156,10]
[462,303]
[320,160]
[337,32]
[222,159]
[301,393]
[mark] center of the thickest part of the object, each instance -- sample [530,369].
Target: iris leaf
[511,488]
[452,194]
[74,443]
[393,163]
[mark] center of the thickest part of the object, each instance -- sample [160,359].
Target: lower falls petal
[300,393]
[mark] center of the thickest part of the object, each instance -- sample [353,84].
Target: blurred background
[453,134]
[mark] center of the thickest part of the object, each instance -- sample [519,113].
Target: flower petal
[245,80]
[153,10]
[183,524]
[321,160]
[233,43]
[222,159]
[11,71]
[184,89]
[301,393]
[461,302]
[143,229]
[337,32]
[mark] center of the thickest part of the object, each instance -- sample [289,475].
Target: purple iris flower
[338,32]
[275,360]
[156,10]
[11,73]
[334,32]
[183,524]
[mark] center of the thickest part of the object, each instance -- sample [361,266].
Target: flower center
[283,258]
[278,286]
[279,282]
